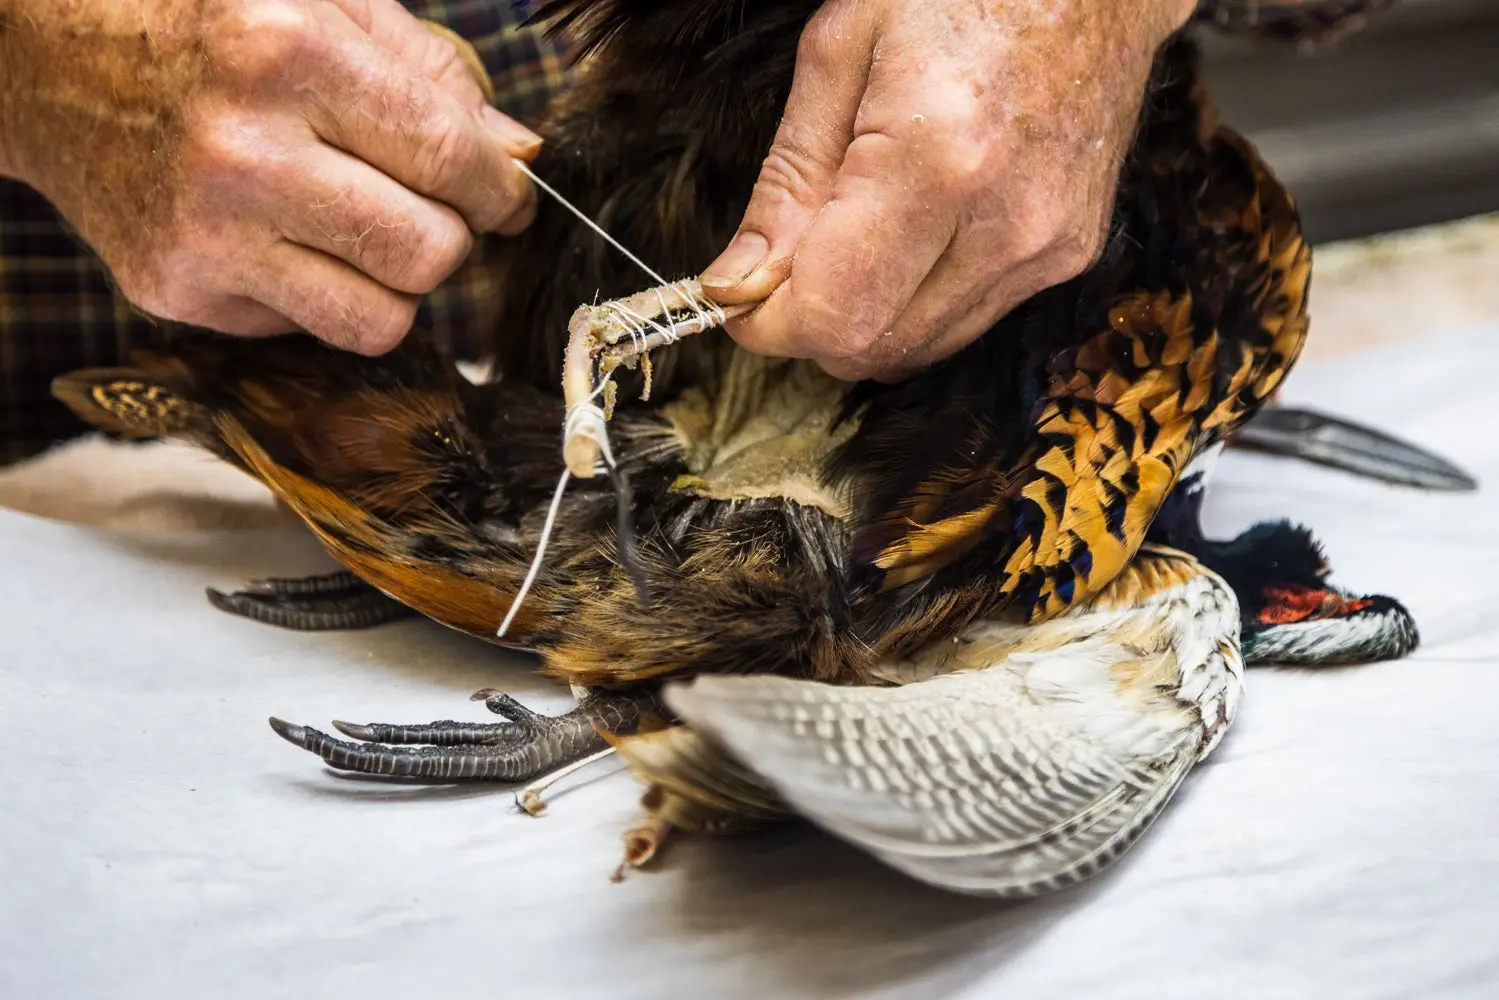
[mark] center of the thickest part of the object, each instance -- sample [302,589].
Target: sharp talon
[504,705]
[221,600]
[289,732]
[446,733]
[355,731]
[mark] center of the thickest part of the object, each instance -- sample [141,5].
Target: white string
[541,547]
[525,169]
[586,418]
[529,798]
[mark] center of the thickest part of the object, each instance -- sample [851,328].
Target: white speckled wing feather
[1021,769]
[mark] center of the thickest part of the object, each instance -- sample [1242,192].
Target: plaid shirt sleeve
[59,312]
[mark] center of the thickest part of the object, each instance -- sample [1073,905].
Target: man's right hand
[255,166]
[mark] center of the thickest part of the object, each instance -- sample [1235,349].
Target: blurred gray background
[1397,127]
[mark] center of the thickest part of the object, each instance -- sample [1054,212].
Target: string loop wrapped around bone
[623,332]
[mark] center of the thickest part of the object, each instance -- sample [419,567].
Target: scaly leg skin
[524,747]
[314,604]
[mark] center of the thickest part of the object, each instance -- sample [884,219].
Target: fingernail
[522,140]
[743,257]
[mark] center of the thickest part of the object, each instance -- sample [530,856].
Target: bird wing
[1014,769]
[1170,371]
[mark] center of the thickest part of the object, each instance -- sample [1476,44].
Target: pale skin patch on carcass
[765,433]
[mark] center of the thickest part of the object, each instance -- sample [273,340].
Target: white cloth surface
[157,840]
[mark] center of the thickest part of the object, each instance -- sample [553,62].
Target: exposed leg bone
[529,798]
[601,338]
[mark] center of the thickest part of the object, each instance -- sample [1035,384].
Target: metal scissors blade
[1342,444]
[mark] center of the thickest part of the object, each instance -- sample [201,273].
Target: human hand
[257,166]
[939,162]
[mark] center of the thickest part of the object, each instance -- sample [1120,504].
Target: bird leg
[624,331]
[525,746]
[312,604]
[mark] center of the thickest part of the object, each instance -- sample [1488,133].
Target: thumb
[796,180]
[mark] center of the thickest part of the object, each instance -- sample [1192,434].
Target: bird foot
[312,604]
[524,747]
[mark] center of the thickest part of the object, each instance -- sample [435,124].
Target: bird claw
[524,747]
[312,604]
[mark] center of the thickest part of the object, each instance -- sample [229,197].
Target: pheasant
[968,621]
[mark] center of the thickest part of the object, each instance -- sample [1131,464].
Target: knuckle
[419,261]
[821,42]
[366,320]
[789,169]
[261,42]
[383,324]
[442,59]
[445,151]
[967,163]
[219,154]
[1073,252]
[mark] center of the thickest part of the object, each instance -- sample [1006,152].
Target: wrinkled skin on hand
[940,161]
[255,166]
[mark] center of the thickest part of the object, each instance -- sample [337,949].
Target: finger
[434,50]
[360,216]
[371,105]
[1038,254]
[971,288]
[968,320]
[330,300]
[858,268]
[797,178]
[240,317]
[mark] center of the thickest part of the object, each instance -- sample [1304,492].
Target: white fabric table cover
[157,840]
